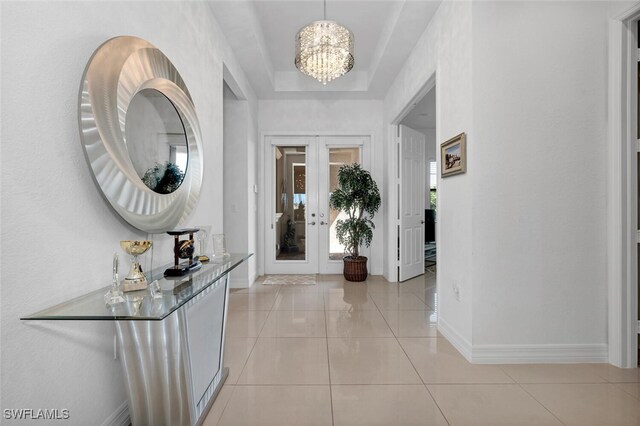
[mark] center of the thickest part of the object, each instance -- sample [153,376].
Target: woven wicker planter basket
[355,269]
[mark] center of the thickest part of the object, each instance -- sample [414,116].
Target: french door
[301,172]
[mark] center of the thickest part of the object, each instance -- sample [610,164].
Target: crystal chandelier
[324,49]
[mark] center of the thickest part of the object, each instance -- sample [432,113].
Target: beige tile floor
[341,353]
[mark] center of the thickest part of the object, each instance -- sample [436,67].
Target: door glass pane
[337,158]
[291,202]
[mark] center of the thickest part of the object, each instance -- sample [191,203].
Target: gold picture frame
[453,156]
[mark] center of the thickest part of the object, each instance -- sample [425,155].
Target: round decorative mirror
[140,134]
[156,141]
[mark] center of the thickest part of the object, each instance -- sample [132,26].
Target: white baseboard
[524,354]
[120,417]
[456,339]
[242,282]
[540,354]
[239,283]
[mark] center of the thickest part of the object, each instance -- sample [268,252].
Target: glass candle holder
[219,246]
[203,238]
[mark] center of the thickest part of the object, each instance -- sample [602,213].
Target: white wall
[239,178]
[430,154]
[539,199]
[350,116]
[523,231]
[251,194]
[58,234]
[444,50]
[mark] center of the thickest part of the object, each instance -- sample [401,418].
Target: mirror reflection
[156,141]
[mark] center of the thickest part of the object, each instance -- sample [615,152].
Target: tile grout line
[623,390]
[531,395]
[602,376]
[225,405]
[594,370]
[506,383]
[411,362]
[246,360]
[274,310]
[326,337]
[244,365]
[434,401]
[413,366]
[275,385]
[535,399]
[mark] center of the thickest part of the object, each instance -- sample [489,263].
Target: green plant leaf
[358,196]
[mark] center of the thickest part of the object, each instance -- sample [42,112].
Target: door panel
[291,226]
[412,184]
[334,152]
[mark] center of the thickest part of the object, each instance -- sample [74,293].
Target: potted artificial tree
[359,198]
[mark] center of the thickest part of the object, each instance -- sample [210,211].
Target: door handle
[422,222]
[311,223]
[322,222]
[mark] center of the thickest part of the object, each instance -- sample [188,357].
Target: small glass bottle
[115,294]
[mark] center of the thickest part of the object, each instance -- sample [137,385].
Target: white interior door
[301,173]
[412,184]
[291,237]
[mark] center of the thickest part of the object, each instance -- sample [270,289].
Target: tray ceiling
[262,35]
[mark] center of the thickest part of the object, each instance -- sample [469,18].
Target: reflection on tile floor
[341,353]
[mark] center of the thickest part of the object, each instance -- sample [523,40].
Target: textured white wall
[431,146]
[443,49]
[239,211]
[364,117]
[539,226]
[58,234]
[523,231]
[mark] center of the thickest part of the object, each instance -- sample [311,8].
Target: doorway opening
[301,173]
[417,185]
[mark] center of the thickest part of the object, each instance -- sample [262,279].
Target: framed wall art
[453,158]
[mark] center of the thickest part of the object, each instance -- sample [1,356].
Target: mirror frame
[116,72]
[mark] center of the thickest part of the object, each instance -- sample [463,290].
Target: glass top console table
[171,347]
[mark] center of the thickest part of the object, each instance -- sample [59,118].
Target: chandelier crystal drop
[324,50]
